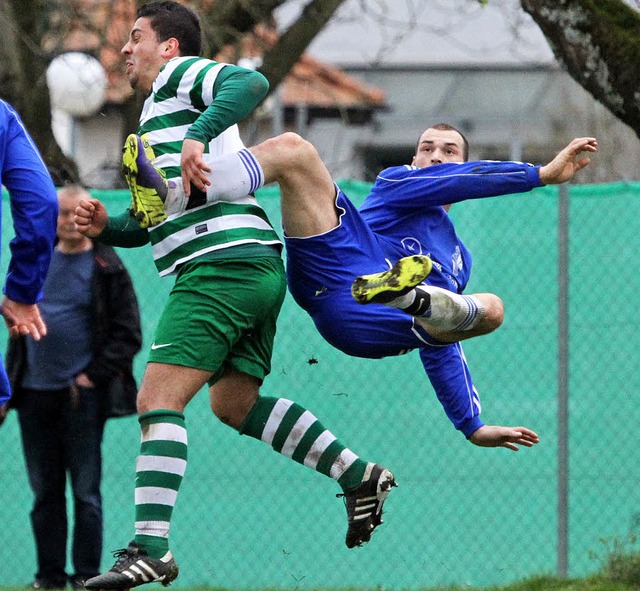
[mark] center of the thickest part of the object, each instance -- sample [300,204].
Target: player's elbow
[494,313]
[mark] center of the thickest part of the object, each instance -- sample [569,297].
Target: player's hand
[91,217]
[193,167]
[23,319]
[565,165]
[509,437]
[83,381]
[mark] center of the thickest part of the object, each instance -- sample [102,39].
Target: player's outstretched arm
[568,161]
[509,437]
[91,217]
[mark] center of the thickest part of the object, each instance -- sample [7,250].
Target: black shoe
[364,504]
[135,567]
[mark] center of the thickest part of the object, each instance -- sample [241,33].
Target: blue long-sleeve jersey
[403,215]
[34,210]
[405,209]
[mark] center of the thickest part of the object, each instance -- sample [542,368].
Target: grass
[620,571]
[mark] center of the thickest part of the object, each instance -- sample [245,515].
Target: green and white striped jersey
[180,94]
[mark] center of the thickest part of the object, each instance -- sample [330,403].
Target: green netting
[248,518]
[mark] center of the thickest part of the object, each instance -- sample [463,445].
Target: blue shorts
[320,271]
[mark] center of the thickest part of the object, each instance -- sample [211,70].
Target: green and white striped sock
[296,433]
[159,471]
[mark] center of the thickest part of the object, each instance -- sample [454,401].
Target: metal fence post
[563,380]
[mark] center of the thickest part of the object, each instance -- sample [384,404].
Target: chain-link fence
[249,518]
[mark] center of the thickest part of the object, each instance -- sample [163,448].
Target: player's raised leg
[296,433]
[448,316]
[307,189]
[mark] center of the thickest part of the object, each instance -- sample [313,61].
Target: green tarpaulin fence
[248,518]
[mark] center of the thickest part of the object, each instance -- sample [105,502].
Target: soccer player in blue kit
[330,242]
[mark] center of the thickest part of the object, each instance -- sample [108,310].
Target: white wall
[95,145]
[509,112]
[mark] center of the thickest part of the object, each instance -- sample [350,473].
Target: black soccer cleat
[364,504]
[135,567]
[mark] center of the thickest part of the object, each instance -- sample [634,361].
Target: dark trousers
[62,434]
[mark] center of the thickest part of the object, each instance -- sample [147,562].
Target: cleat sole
[381,288]
[146,205]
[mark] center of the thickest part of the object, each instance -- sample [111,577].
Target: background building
[487,69]
[382,71]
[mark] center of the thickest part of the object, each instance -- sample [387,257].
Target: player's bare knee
[299,151]
[287,144]
[232,397]
[224,416]
[286,156]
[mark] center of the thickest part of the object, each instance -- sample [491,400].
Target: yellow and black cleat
[147,183]
[380,288]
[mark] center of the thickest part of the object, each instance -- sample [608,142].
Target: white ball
[77,83]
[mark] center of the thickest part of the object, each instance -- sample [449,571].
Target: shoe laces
[123,556]
[351,498]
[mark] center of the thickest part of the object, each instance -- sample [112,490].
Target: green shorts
[222,314]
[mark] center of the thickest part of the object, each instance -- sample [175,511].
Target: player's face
[437,146]
[144,55]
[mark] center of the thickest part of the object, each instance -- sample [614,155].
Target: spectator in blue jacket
[34,209]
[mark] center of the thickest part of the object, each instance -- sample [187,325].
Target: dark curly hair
[172,19]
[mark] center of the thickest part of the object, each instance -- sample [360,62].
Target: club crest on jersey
[412,245]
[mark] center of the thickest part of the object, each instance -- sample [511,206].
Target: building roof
[315,83]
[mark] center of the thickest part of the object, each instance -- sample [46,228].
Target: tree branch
[598,41]
[30,94]
[279,60]
[230,19]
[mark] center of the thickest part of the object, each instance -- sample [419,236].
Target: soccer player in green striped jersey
[219,323]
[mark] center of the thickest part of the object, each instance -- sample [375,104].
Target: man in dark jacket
[66,385]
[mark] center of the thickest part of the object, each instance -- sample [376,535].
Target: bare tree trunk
[292,44]
[10,72]
[230,19]
[599,44]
